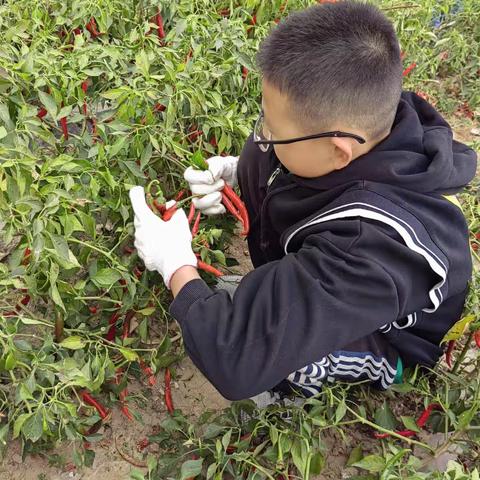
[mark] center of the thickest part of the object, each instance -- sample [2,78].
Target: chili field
[97,96]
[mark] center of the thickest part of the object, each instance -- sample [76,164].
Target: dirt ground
[191,393]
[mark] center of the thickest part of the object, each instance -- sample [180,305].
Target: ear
[342,152]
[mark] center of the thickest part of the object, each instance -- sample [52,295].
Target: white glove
[163,246]
[210,182]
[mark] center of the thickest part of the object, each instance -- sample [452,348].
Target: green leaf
[147,311]
[191,468]
[355,455]
[212,468]
[371,463]
[226,439]
[20,420]
[129,354]
[136,474]
[317,463]
[341,411]
[49,103]
[106,277]
[384,417]
[409,423]
[10,361]
[3,132]
[73,343]
[198,161]
[32,429]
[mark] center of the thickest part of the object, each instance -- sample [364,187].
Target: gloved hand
[163,246]
[210,182]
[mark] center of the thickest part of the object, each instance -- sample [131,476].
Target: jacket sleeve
[291,312]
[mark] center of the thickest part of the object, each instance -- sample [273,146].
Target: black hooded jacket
[374,246]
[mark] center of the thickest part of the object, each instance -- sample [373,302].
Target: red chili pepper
[128,250]
[160,207]
[225,12]
[41,113]
[122,281]
[168,391]
[208,268]
[240,206]
[244,73]
[476,336]
[448,353]
[26,256]
[91,26]
[213,141]
[84,88]
[159,22]
[89,400]
[477,236]
[63,123]
[124,409]
[196,225]
[93,309]
[24,301]
[158,107]
[422,419]
[137,272]
[230,207]
[191,213]
[194,134]
[110,336]
[77,31]
[180,195]
[409,69]
[149,372]
[169,213]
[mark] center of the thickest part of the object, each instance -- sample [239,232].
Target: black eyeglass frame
[335,133]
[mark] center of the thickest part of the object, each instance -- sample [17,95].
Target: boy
[361,262]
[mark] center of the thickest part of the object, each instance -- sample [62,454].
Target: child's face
[308,158]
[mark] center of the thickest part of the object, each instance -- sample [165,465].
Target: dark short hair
[336,62]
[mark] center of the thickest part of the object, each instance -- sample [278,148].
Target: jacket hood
[419,154]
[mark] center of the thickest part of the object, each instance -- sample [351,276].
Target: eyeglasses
[264,140]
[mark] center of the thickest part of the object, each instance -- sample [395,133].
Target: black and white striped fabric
[370,359]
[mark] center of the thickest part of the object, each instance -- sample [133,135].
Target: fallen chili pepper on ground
[168,391]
